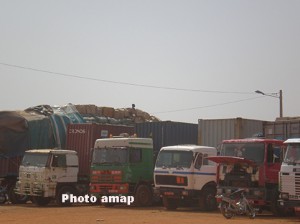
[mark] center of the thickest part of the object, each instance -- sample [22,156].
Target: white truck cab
[289,176]
[184,176]
[46,174]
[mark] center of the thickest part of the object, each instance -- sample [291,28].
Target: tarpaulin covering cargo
[59,117]
[13,134]
[40,131]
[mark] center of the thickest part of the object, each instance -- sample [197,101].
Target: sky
[177,60]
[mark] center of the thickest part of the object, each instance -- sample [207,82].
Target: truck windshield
[181,159]
[113,155]
[35,159]
[250,151]
[292,154]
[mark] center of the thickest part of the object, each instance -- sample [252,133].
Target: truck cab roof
[292,140]
[193,148]
[254,140]
[130,142]
[54,151]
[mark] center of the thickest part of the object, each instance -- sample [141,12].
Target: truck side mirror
[91,155]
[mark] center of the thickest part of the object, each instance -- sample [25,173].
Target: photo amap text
[70,198]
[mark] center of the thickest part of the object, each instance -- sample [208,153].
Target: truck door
[272,167]
[204,171]
[59,168]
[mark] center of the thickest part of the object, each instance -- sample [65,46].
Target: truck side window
[198,162]
[135,155]
[273,154]
[59,161]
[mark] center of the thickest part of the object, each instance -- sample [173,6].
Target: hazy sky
[211,56]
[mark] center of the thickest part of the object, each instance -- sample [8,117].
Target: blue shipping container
[168,133]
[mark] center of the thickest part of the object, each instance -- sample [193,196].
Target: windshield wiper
[179,168]
[165,167]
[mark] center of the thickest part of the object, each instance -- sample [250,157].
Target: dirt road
[30,214]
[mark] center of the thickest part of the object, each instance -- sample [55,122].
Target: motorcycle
[235,204]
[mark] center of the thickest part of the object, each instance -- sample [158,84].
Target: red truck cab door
[273,162]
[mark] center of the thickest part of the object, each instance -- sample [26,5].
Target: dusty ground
[30,214]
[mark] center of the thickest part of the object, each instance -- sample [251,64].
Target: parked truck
[289,176]
[48,174]
[252,164]
[184,177]
[123,166]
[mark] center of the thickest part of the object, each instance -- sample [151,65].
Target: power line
[214,105]
[121,83]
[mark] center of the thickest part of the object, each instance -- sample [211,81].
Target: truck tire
[41,201]
[170,203]
[64,190]
[208,200]
[143,196]
[275,208]
[16,198]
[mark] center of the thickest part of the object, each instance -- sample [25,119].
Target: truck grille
[297,183]
[290,183]
[171,180]
[106,176]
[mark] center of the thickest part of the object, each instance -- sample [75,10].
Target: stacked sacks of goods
[110,115]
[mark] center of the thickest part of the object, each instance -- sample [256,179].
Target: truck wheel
[225,210]
[64,190]
[275,208]
[208,200]
[16,198]
[170,203]
[143,196]
[41,201]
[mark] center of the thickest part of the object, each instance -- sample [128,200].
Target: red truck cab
[252,164]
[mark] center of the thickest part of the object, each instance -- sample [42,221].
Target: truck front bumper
[109,189]
[35,189]
[175,192]
[289,203]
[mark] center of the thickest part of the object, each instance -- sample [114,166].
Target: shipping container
[212,132]
[282,129]
[167,133]
[82,137]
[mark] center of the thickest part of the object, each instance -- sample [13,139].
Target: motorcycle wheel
[250,212]
[224,208]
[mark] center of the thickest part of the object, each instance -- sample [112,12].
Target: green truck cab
[123,166]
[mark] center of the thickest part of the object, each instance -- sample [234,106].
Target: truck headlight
[284,195]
